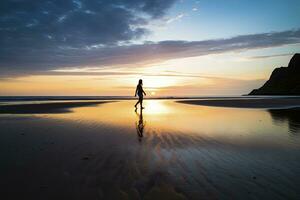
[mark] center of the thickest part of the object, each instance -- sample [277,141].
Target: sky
[178,47]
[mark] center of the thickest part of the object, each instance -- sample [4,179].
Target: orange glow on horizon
[196,76]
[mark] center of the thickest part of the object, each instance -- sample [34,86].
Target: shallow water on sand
[169,150]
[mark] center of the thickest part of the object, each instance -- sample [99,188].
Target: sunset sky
[179,48]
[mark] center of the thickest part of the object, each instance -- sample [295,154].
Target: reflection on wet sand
[291,116]
[182,152]
[140,125]
[187,122]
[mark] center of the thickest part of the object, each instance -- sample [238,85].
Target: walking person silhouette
[140,92]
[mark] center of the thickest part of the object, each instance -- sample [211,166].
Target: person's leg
[137,103]
[141,102]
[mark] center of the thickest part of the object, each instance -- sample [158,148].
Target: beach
[279,102]
[149,100]
[169,150]
[45,107]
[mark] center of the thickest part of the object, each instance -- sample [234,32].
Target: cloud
[218,85]
[31,28]
[76,22]
[271,56]
[39,36]
[176,18]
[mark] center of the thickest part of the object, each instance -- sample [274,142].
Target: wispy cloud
[271,56]
[176,18]
[220,86]
[22,60]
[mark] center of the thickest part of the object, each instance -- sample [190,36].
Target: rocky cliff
[283,80]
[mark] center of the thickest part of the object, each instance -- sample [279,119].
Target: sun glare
[158,81]
[156,107]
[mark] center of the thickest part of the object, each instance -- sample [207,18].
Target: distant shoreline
[248,103]
[79,98]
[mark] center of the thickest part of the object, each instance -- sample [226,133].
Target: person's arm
[144,92]
[135,91]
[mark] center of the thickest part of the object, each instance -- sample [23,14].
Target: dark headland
[283,80]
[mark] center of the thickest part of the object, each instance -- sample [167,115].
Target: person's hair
[140,82]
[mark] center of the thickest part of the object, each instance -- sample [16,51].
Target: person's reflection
[140,125]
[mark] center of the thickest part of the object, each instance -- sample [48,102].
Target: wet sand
[168,151]
[45,107]
[248,103]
